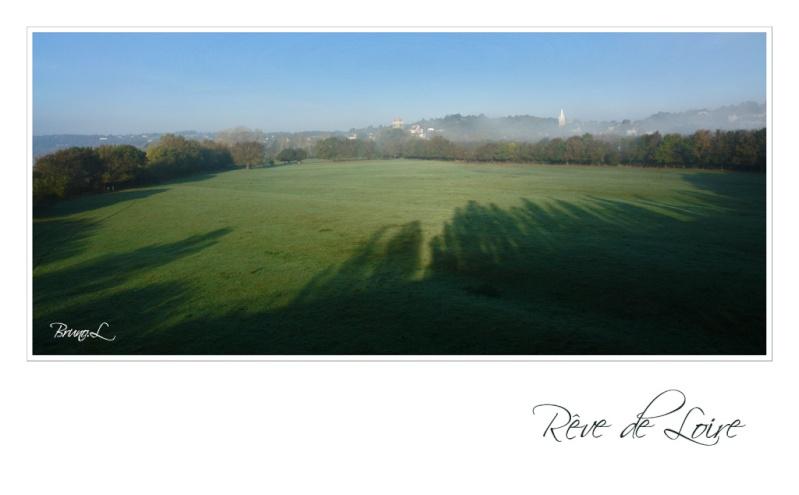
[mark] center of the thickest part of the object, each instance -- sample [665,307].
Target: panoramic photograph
[399,193]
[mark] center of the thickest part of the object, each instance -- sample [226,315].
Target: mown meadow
[410,257]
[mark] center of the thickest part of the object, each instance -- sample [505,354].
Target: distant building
[397,123]
[562,119]
[421,132]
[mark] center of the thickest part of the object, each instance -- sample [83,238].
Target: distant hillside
[54,142]
[749,115]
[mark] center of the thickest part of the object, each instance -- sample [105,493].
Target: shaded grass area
[407,257]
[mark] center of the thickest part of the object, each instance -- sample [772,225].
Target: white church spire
[562,119]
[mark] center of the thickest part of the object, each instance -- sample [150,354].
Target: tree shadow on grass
[94,202]
[85,294]
[598,276]
[58,235]
[133,314]
[111,270]
[595,276]
[60,238]
[623,278]
[390,257]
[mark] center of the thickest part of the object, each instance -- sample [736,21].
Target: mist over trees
[79,170]
[733,150]
[251,148]
[466,128]
[336,148]
[240,135]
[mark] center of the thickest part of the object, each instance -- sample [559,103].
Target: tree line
[734,150]
[78,170]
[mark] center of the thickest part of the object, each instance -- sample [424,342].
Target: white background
[258,427]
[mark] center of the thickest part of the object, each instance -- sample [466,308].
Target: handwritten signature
[691,424]
[62,330]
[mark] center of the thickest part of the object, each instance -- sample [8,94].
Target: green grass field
[410,257]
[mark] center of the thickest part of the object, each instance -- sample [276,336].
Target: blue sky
[158,82]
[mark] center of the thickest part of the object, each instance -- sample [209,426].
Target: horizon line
[410,122]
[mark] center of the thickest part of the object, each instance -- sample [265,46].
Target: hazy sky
[156,82]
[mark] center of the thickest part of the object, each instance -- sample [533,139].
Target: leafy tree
[248,153]
[67,173]
[335,148]
[290,155]
[745,150]
[497,152]
[555,150]
[214,156]
[669,151]
[573,150]
[700,147]
[436,148]
[122,164]
[761,141]
[326,148]
[440,148]
[612,154]
[173,156]
[721,152]
[648,146]
[392,141]
[593,149]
